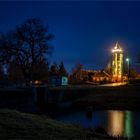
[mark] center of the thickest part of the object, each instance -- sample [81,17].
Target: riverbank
[17,125]
[104,97]
[121,97]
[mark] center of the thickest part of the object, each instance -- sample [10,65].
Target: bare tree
[28,45]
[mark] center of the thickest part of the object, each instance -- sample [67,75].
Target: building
[58,81]
[117,63]
[91,76]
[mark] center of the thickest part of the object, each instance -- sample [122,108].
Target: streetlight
[128,63]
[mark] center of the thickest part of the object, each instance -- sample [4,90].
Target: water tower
[117,63]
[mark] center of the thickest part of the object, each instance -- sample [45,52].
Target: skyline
[85,31]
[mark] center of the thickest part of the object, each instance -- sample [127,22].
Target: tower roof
[117,48]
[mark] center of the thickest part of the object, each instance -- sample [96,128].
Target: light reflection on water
[129,124]
[119,123]
[116,123]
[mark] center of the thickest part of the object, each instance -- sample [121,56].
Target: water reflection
[129,125]
[116,123]
[120,123]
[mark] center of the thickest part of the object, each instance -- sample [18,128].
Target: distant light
[127,59]
[37,82]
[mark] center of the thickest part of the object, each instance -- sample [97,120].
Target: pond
[115,122]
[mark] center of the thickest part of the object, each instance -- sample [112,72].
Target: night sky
[85,31]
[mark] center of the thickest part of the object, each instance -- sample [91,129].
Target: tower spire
[117,46]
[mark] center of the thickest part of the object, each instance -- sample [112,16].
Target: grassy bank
[16,125]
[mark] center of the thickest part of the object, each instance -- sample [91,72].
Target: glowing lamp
[127,59]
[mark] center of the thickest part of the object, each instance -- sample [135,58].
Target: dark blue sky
[85,31]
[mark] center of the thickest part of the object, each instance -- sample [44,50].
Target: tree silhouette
[28,45]
[14,72]
[76,72]
[62,71]
[42,70]
[133,73]
[1,72]
[138,58]
[77,68]
[54,70]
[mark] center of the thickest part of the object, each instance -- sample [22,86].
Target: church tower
[117,62]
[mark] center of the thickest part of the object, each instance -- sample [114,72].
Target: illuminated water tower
[117,63]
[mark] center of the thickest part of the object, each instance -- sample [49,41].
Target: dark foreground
[16,125]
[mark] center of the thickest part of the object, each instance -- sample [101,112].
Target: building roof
[99,73]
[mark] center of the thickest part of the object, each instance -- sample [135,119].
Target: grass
[16,125]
